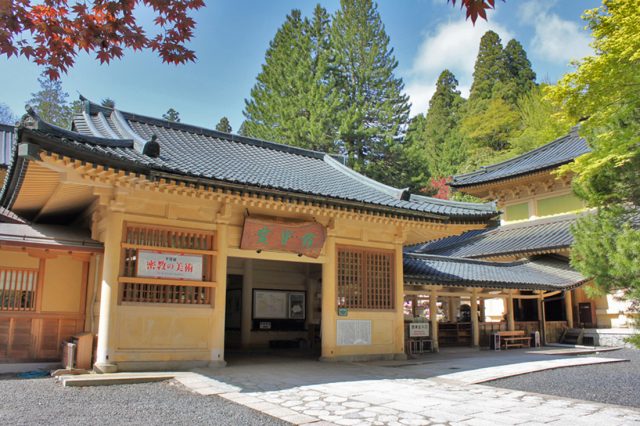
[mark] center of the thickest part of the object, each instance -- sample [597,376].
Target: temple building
[178,246]
[539,209]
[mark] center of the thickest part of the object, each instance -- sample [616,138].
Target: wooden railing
[554,330]
[18,289]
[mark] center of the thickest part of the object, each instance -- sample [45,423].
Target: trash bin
[68,355]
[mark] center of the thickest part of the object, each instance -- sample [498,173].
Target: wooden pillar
[247,300]
[541,320]
[451,309]
[433,317]
[109,293]
[475,326]
[220,295]
[568,304]
[399,301]
[511,323]
[329,299]
[482,311]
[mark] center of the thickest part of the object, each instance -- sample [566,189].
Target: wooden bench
[514,339]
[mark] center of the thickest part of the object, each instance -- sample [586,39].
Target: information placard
[353,332]
[419,329]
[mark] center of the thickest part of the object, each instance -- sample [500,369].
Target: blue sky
[232,36]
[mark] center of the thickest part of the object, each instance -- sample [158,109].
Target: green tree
[224,125]
[50,103]
[605,89]
[373,109]
[490,67]
[292,100]
[433,142]
[172,115]
[521,77]
[540,120]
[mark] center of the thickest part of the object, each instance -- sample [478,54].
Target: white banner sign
[154,264]
[419,329]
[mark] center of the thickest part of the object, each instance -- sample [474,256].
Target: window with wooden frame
[366,278]
[167,265]
[18,289]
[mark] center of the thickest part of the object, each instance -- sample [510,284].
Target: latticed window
[366,278]
[18,289]
[174,253]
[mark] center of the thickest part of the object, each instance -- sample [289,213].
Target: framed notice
[270,304]
[353,332]
[419,329]
[156,264]
[296,305]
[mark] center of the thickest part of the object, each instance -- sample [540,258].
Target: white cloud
[452,46]
[555,40]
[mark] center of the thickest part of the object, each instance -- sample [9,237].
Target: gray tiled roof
[54,236]
[543,273]
[561,151]
[6,140]
[532,236]
[214,157]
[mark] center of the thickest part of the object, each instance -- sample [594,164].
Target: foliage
[520,78]
[541,123]
[50,102]
[605,91]
[292,101]
[476,8]
[52,33]
[373,110]
[433,141]
[6,115]
[172,115]
[224,125]
[490,67]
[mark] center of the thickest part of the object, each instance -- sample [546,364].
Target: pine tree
[373,109]
[50,102]
[172,115]
[224,125]
[490,67]
[291,101]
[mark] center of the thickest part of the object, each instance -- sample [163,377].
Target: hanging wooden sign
[305,238]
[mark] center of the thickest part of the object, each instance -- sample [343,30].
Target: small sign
[353,332]
[265,325]
[305,238]
[343,312]
[156,264]
[419,329]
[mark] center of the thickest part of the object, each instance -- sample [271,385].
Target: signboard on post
[419,329]
[305,238]
[156,264]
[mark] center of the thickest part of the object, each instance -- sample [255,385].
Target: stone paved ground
[315,393]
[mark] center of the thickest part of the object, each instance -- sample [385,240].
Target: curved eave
[421,280]
[53,143]
[507,178]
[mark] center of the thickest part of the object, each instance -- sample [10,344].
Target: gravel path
[617,383]
[43,401]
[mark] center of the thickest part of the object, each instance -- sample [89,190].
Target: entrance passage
[272,308]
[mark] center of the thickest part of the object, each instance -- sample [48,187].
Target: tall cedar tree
[373,109]
[50,102]
[491,117]
[291,101]
[224,125]
[433,142]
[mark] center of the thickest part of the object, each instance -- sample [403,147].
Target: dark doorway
[233,312]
